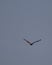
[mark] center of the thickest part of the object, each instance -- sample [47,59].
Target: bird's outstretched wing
[28,41]
[36,41]
[32,42]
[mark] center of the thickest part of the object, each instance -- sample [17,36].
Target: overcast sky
[29,19]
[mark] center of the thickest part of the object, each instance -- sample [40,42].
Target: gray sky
[30,19]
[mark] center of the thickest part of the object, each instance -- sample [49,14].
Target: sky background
[29,19]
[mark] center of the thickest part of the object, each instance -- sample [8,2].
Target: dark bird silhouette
[32,42]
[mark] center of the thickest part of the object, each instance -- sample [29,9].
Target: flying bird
[31,43]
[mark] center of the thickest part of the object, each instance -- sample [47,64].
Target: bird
[31,43]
